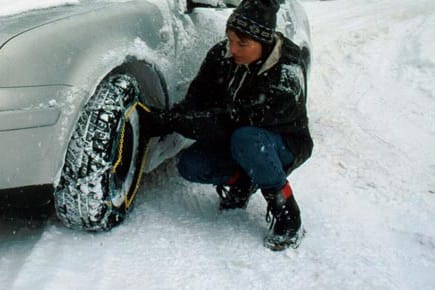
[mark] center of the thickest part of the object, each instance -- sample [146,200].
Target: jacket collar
[271,60]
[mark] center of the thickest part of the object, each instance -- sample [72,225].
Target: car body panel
[39,85]
[52,60]
[15,25]
[34,133]
[22,119]
[69,50]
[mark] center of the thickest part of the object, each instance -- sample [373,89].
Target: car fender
[70,57]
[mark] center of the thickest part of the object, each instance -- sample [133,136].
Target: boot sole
[280,243]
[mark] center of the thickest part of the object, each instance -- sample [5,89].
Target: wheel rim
[123,174]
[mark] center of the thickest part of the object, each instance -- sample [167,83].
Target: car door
[196,29]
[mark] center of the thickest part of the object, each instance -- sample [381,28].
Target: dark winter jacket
[270,94]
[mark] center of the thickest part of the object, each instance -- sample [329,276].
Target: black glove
[213,124]
[157,123]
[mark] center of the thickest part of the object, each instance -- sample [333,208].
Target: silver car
[74,83]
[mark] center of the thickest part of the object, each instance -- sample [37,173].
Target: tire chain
[83,196]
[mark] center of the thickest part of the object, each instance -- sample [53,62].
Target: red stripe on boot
[286,191]
[233,179]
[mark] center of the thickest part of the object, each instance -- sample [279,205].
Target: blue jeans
[261,154]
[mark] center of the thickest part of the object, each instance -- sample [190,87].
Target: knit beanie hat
[255,18]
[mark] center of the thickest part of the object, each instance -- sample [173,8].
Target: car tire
[105,158]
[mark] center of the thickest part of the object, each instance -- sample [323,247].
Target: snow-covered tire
[104,159]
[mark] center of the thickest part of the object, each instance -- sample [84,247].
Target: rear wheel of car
[104,159]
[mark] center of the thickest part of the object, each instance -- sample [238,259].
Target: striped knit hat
[255,18]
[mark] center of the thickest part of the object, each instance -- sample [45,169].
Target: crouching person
[246,109]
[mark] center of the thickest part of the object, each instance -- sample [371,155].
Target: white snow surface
[367,195]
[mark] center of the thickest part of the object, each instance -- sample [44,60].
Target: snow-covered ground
[367,195]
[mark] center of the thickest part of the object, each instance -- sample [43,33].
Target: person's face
[244,50]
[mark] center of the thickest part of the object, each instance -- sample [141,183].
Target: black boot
[286,227]
[237,194]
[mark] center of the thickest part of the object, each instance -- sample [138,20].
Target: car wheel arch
[152,85]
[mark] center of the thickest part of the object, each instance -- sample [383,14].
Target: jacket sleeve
[280,103]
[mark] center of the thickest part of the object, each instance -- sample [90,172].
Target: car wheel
[104,159]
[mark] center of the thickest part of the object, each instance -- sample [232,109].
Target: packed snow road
[367,195]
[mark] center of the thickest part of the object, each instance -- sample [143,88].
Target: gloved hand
[157,122]
[213,124]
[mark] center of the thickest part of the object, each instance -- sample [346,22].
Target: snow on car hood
[19,6]
[20,16]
